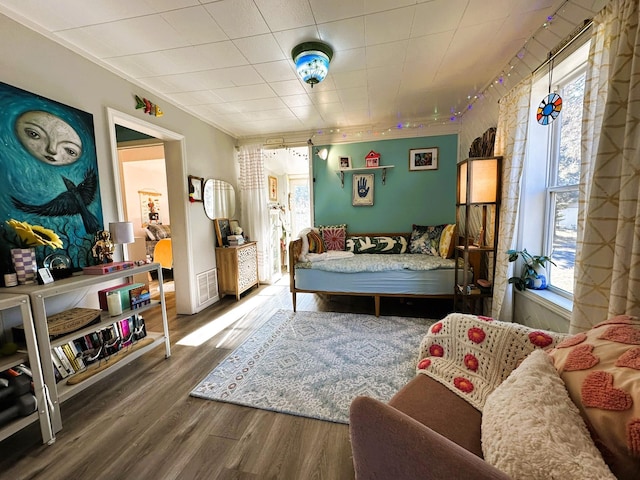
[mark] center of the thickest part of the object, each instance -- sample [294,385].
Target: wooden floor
[140,422]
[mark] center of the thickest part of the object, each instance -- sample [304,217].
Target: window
[552,174]
[562,185]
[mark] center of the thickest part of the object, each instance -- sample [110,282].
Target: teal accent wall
[422,197]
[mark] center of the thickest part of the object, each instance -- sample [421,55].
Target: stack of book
[235,240]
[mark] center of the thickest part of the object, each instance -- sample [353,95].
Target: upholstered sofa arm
[387,444]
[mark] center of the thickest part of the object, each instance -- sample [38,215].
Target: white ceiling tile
[132,36]
[220,55]
[351,79]
[448,12]
[374,6]
[277,71]
[343,34]
[377,29]
[280,113]
[195,24]
[290,38]
[260,48]
[348,60]
[319,98]
[331,10]
[238,18]
[295,101]
[201,97]
[251,92]
[288,88]
[386,54]
[305,111]
[286,14]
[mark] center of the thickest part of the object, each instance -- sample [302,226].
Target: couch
[556,407]
[331,261]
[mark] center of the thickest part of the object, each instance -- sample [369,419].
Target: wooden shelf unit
[39,294]
[363,169]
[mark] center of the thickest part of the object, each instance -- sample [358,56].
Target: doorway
[291,208]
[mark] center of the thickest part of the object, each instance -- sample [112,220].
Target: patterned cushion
[426,239]
[532,429]
[160,231]
[334,236]
[601,370]
[316,245]
[395,244]
[446,241]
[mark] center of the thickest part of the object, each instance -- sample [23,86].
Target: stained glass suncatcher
[549,109]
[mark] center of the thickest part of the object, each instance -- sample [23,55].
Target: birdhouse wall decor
[372,159]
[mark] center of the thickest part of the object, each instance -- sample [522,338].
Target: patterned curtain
[607,268]
[253,195]
[511,139]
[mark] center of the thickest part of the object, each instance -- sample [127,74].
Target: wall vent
[207,286]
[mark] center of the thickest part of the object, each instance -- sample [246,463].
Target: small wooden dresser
[237,268]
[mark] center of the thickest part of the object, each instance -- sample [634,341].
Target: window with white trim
[552,174]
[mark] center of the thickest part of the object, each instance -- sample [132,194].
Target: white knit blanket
[472,355]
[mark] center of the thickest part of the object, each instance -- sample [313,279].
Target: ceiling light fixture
[312,61]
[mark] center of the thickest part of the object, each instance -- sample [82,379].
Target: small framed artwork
[423,159]
[223,230]
[345,163]
[44,276]
[273,189]
[195,188]
[363,189]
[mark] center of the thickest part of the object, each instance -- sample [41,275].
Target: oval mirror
[219,199]
[207,198]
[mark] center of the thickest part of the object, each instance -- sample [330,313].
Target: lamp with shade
[121,233]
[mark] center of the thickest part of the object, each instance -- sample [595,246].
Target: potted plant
[534,272]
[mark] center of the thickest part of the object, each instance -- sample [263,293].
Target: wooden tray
[72,320]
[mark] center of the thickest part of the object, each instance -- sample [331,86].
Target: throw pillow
[160,231]
[446,241]
[316,245]
[601,369]
[531,429]
[394,244]
[426,239]
[471,355]
[149,234]
[334,236]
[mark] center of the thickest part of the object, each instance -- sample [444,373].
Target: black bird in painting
[72,202]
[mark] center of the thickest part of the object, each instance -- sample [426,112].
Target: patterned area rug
[313,364]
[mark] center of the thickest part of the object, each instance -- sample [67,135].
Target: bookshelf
[31,357]
[477,217]
[42,298]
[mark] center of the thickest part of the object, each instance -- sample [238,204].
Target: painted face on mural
[48,138]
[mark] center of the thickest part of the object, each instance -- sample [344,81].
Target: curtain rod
[572,37]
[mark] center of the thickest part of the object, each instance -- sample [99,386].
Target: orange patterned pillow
[601,370]
[316,245]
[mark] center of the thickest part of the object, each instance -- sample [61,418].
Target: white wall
[32,62]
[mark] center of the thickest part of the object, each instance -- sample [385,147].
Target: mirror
[219,199]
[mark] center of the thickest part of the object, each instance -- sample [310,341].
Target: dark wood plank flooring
[141,423]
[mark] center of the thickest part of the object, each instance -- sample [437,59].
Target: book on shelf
[64,360]
[139,296]
[105,268]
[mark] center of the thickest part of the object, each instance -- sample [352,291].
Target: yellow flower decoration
[35,235]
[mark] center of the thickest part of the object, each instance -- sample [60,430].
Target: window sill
[558,304]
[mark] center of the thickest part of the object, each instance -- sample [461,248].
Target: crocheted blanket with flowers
[471,355]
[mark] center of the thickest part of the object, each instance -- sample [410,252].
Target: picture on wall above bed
[423,159]
[49,174]
[363,189]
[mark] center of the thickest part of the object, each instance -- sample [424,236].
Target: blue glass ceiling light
[312,61]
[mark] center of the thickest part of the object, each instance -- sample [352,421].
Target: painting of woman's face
[48,138]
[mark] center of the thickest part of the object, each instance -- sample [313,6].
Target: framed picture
[273,189]
[423,159]
[195,188]
[223,230]
[345,162]
[363,189]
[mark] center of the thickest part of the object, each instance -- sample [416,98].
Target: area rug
[313,364]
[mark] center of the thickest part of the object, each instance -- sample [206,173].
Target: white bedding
[378,263]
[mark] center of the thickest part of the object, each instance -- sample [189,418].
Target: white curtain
[511,140]
[607,270]
[253,194]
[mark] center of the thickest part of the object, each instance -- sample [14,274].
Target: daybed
[495,400]
[389,272]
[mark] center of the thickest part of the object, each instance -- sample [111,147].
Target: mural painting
[49,176]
